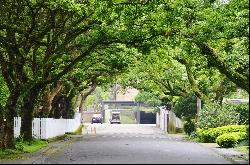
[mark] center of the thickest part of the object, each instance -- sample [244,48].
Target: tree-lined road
[132,143]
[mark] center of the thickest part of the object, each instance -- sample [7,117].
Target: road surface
[132,144]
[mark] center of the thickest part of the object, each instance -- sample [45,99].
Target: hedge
[209,135]
[227,140]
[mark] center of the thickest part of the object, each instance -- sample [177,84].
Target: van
[115,118]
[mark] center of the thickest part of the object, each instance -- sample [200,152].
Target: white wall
[44,128]
[158,119]
[163,118]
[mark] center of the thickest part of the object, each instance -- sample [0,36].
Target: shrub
[227,129]
[227,140]
[189,126]
[205,135]
[213,115]
[209,135]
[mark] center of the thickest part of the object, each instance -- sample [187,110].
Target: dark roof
[122,102]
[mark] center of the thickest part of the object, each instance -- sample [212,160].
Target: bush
[209,135]
[189,126]
[213,115]
[205,135]
[228,140]
[227,129]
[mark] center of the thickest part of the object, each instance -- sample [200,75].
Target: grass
[9,154]
[243,149]
[34,146]
[190,138]
[79,130]
[57,138]
[23,147]
[125,119]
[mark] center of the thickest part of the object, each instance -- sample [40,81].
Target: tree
[185,107]
[41,41]
[215,32]
[200,37]
[218,31]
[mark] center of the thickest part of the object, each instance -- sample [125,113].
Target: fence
[44,128]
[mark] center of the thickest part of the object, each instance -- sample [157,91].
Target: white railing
[17,126]
[44,128]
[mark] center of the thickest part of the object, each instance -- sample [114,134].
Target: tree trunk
[76,102]
[48,97]
[27,111]
[81,107]
[7,123]
[70,111]
[85,95]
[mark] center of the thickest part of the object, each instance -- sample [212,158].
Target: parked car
[115,118]
[97,118]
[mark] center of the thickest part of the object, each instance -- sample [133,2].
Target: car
[115,118]
[97,118]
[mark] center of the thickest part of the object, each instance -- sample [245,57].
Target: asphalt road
[132,144]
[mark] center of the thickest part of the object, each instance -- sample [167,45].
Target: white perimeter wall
[166,115]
